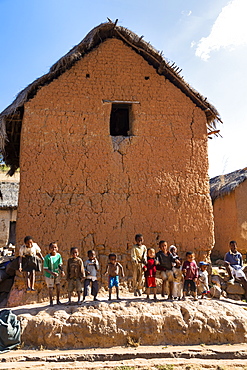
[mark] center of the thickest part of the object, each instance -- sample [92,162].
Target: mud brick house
[112,142]
[229,196]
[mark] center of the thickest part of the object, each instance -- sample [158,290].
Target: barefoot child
[113,269]
[138,258]
[150,272]
[30,260]
[53,268]
[91,267]
[202,283]
[75,274]
[178,280]
[190,271]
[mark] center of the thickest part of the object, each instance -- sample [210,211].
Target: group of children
[181,279]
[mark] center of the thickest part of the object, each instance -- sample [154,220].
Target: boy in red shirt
[190,271]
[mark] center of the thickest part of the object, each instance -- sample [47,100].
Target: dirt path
[223,357]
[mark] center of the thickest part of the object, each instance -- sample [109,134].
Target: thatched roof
[9,195]
[225,184]
[11,117]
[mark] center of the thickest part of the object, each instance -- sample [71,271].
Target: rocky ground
[133,322]
[130,334]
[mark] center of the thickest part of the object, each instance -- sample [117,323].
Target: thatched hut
[229,196]
[110,142]
[8,211]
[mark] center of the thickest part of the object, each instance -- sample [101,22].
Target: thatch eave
[96,36]
[223,185]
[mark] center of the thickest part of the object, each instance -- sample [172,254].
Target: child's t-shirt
[75,268]
[91,268]
[203,279]
[52,263]
[139,253]
[33,251]
[191,270]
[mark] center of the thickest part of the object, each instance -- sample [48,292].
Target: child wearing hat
[203,288]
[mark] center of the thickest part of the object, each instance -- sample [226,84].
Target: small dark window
[120,120]
[87,75]
[12,227]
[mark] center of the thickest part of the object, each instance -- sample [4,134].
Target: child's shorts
[167,275]
[52,281]
[74,284]
[113,281]
[189,285]
[150,282]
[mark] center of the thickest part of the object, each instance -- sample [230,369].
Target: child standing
[178,280]
[190,271]
[53,268]
[165,263]
[75,274]
[30,260]
[150,272]
[112,270]
[91,267]
[203,288]
[138,258]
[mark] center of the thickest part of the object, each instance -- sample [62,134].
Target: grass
[133,342]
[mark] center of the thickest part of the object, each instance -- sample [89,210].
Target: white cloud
[186,12]
[228,31]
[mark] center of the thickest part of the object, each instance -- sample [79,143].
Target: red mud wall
[230,218]
[79,188]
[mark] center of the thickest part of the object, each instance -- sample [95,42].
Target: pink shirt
[191,270]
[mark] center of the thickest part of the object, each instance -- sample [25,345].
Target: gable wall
[225,224]
[230,221]
[75,188]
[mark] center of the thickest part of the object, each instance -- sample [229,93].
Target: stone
[215,291]
[216,279]
[235,288]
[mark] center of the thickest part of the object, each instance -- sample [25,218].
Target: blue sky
[207,39]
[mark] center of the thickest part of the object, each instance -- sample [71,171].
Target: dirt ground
[223,357]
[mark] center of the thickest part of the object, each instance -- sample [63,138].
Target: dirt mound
[134,322]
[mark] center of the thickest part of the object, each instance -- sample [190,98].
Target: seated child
[30,260]
[174,252]
[178,280]
[190,271]
[112,270]
[75,274]
[202,284]
[53,268]
[165,262]
[150,272]
[91,267]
